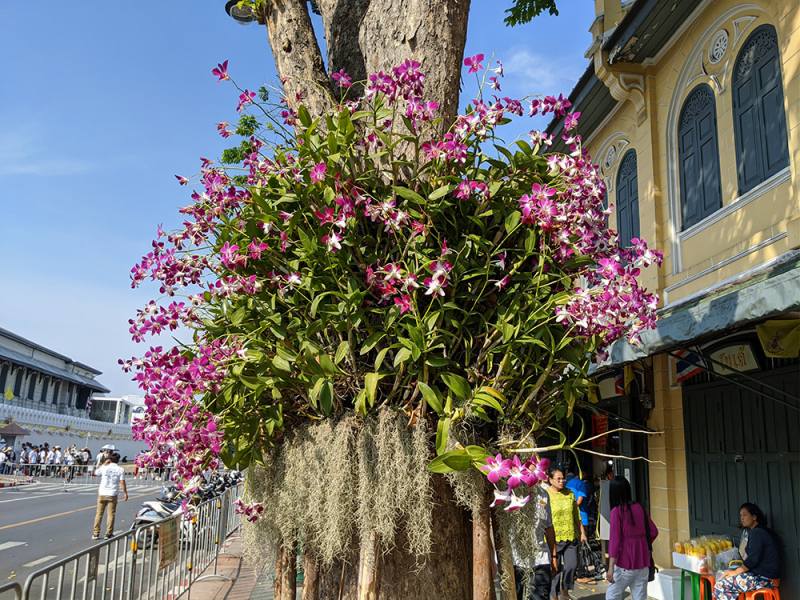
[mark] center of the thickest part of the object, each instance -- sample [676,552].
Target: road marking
[8,545]
[40,561]
[69,512]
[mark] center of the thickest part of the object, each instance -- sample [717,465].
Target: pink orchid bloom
[538,470]
[245,98]
[418,228]
[182,180]
[495,85]
[501,261]
[517,473]
[221,71]
[503,283]
[501,497]
[571,121]
[441,268]
[343,79]
[404,302]
[474,63]
[498,69]
[332,241]
[256,248]
[318,172]
[515,502]
[294,279]
[435,286]
[496,468]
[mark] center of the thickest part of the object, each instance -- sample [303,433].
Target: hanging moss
[335,481]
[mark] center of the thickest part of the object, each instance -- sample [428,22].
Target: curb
[15,483]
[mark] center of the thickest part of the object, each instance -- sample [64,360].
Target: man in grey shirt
[545,563]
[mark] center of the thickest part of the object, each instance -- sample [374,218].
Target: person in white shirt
[3,459]
[112,478]
[33,458]
[69,464]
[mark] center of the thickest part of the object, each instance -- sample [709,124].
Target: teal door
[742,447]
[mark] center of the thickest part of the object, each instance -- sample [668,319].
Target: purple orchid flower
[496,468]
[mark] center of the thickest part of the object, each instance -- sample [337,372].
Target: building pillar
[669,499]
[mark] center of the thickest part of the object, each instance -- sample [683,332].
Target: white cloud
[47,166]
[24,151]
[534,73]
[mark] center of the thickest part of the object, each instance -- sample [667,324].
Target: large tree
[368,36]
[385,300]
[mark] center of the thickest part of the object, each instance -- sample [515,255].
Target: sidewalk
[247,586]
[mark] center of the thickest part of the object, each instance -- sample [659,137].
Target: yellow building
[692,110]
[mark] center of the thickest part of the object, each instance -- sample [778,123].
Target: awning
[42,367]
[772,290]
[13,429]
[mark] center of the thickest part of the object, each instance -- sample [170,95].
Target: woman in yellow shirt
[568,527]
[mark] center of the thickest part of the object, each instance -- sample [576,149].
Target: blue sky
[103,103]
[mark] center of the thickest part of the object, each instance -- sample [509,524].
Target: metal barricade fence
[83,474]
[154,562]
[10,591]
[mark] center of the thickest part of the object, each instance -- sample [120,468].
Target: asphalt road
[41,523]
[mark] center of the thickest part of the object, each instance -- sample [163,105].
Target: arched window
[759,119]
[628,199]
[698,157]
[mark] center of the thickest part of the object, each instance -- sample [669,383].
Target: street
[41,523]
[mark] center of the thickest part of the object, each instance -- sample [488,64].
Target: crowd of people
[46,460]
[568,511]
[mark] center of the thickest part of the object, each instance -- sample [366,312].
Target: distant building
[124,410]
[52,396]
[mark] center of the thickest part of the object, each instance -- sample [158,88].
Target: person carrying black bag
[630,544]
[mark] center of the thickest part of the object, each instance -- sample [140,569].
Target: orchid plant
[357,260]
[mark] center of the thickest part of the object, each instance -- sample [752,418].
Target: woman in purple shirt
[628,551]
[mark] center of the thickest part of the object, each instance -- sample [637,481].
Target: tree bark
[310,575]
[367,36]
[447,574]
[296,53]
[432,32]
[482,582]
[368,569]
[286,574]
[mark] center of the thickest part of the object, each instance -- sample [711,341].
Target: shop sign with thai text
[738,357]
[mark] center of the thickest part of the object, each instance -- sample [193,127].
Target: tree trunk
[447,574]
[296,53]
[368,569]
[286,574]
[482,582]
[432,32]
[310,575]
[367,36]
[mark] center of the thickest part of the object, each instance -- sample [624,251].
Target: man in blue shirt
[582,490]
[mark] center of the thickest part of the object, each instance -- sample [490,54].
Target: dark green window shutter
[759,118]
[698,157]
[628,199]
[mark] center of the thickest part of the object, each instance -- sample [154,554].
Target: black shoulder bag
[651,575]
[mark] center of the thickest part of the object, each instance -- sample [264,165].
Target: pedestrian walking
[568,526]
[628,546]
[112,479]
[544,566]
